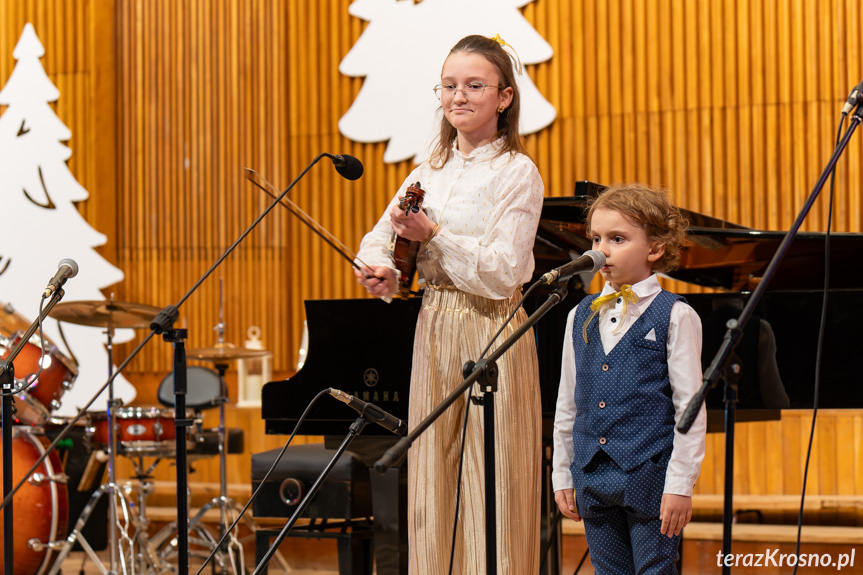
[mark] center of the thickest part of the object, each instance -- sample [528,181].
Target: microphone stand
[7,384]
[721,365]
[356,428]
[161,324]
[484,371]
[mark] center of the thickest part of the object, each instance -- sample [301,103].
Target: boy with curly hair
[631,364]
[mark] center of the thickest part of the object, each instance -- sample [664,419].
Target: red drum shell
[58,373]
[145,430]
[39,508]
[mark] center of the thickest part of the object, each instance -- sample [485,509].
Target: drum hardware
[37,545]
[36,539]
[8,388]
[58,373]
[218,395]
[206,390]
[38,479]
[128,553]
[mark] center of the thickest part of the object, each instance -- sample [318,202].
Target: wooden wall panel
[731,105]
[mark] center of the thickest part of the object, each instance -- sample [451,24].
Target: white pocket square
[651,335]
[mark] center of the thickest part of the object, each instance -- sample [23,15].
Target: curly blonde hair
[651,209]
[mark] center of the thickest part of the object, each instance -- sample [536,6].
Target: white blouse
[488,209]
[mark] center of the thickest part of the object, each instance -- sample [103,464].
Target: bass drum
[40,506]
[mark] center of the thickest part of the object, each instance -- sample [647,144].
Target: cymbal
[103,313]
[224,352]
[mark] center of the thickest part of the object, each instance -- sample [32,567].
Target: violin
[405,251]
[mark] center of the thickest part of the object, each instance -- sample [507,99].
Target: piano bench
[346,494]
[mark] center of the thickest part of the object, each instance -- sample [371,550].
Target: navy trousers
[621,517]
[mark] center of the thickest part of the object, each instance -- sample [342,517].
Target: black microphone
[373,412]
[853,99]
[348,166]
[66,269]
[591,261]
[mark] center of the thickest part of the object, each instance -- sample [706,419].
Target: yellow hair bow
[503,43]
[625,292]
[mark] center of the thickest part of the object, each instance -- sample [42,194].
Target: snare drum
[40,506]
[58,373]
[140,430]
[11,321]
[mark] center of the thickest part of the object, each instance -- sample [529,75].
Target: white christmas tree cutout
[41,225]
[401,53]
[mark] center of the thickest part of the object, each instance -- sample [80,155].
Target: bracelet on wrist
[432,234]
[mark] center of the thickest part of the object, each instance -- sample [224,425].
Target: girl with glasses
[483,198]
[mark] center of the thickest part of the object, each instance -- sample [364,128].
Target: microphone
[347,166]
[67,268]
[373,412]
[853,99]
[591,261]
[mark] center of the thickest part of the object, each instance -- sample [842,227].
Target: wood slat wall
[730,105]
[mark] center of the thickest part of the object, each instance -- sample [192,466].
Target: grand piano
[364,346]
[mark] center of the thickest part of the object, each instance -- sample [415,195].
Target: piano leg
[391,541]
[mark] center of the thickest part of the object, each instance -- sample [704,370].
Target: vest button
[601,405]
[619,300]
[604,367]
[602,441]
[614,320]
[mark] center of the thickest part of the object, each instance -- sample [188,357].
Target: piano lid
[717,254]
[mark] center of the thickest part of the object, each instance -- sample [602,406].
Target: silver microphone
[591,261]
[67,268]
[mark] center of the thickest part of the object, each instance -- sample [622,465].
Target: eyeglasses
[473,91]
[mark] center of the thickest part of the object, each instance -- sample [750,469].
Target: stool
[343,502]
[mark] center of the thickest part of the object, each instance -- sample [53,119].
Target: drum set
[43,535]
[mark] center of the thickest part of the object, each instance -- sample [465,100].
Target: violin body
[405,251]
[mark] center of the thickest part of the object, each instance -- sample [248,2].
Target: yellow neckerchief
[625,292]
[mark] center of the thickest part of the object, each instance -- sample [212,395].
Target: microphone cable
[518,306]
[33,378]
[228,531]
[819,347]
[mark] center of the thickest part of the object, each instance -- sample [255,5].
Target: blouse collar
[485,152]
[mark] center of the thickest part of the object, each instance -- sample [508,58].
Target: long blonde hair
[507,121]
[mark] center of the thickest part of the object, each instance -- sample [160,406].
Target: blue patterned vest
[623,399]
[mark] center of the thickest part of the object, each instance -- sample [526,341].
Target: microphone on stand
[854,98]
[67,268]
[591,261]
[347,166]
[373,412]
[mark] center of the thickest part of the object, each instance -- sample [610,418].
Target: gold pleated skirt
[455,327]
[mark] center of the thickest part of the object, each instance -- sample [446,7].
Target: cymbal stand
[231,553]
[118,533]
[232,547]
[226,505]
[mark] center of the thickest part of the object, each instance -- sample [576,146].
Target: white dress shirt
[488,209]
[684,371]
